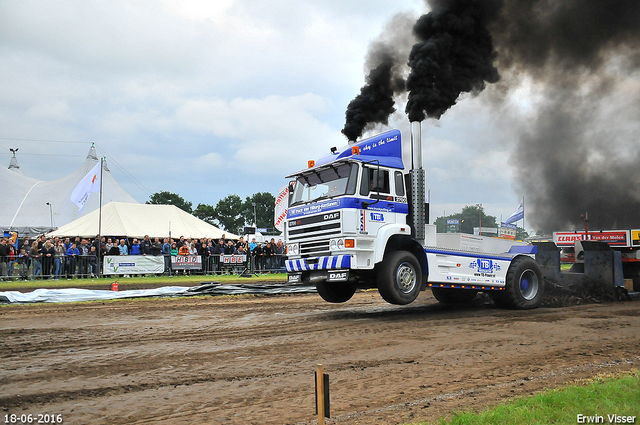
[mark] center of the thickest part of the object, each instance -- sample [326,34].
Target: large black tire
[454,296]
[399,278]
[335,292]
[524,288]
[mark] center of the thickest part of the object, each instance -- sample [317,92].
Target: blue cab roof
[385,148]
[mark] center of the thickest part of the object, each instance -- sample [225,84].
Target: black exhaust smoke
[454,55]
[375,102]
[582,57]
[386,69]
[578,151]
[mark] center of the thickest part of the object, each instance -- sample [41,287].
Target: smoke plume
[578,148]
[375,102]
[579,151]
[454,55]
[386,65]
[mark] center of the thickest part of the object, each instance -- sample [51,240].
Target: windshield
[325,183]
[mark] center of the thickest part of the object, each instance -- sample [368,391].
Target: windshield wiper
[319,198]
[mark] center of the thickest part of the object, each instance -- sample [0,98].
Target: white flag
[89,183]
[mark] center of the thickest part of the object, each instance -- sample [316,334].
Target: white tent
[138,220]
[33,206]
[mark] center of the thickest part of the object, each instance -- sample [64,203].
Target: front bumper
[319,263]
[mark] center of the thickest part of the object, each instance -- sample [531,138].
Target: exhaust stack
[417,183]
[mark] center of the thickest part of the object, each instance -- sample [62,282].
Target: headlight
[336,244]
[293,249]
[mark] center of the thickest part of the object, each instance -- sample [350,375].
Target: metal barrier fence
[66,267]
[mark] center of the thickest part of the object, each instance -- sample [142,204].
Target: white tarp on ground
[69,295]
[24,199]
[138,220]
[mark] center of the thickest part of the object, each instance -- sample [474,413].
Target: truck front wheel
[399,278]
[335,292]
[524,287]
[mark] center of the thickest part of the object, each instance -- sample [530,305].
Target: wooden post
[320,393]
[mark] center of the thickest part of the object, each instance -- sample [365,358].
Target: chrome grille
[313,235]
[315,248]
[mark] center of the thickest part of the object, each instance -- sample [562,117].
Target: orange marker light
[355,150]
[349,243]
[311,163]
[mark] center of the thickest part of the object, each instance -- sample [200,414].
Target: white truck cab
[350,224]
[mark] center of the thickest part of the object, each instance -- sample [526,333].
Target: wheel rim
[529,284]
[406,278]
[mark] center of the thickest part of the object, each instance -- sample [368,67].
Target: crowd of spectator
[57,258]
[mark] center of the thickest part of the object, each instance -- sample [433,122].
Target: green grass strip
[123,282]
[597,400]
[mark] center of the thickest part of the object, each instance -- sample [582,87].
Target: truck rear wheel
[454,296]
[335,292]
[399,278]
[524,288]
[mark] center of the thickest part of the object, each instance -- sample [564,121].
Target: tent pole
[98,262]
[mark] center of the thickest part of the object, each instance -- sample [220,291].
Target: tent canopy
[33,206]
[137,220]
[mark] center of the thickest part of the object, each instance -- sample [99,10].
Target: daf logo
[338,276]
[332,216]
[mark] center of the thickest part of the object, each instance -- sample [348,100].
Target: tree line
[231,213]
[471,216]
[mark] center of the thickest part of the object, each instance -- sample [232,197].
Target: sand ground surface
[251,360]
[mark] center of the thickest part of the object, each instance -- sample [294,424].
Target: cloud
[234,94]
[270,130]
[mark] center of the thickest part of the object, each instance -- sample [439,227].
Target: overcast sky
[207,99]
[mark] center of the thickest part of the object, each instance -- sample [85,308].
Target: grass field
[604,399]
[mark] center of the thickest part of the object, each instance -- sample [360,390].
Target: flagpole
[522,217]
[98,262]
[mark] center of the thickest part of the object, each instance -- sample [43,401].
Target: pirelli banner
[186,262]
[132,264]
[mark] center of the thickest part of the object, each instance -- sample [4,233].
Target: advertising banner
[508,231]
[132,264]
[280,212]
[186,262]
[612,237]
[233,259]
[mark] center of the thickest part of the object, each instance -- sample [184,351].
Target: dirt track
[251,360]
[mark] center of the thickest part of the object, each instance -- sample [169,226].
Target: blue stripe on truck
[323,263]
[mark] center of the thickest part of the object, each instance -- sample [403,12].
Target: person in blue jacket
[135,248]
[72,258]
